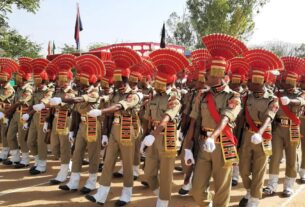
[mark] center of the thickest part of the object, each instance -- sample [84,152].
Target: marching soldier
[238,79]
[122,135]
[16,134]
[148,91]
[199,58]
[135,78]
[60,143]
[218,109]
[286,133]
[36,115]
[106,97]
[162,113]
[7,68]
[260,108]
[90,69]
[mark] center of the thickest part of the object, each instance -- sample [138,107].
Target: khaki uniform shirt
[161,105]
[262,107]
[227,102]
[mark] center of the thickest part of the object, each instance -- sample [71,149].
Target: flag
[162,42]
[49,48]
[78,27]
[53,48]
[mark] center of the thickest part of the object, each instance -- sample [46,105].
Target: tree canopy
[202,17]
[13,44]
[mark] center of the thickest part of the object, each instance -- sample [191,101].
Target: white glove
[188,156]
[25,117]
[104,140]
[209,145]
[39,107]
[1,115]
[285,100]
[181,137]
[95,113]
[256,138]
[71,137]
[183,91]
[55,101]
[25,126]
[149,140]
[45,127]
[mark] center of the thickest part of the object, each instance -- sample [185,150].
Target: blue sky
[113,21]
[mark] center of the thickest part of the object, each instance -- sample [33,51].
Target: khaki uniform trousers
[3,134]
[280,142]
[36,138]
[211,165]
[252,165]
[303,142]
[137,154]
[60,144]
[16,135]
[126,152]
[81,144]
[157,160]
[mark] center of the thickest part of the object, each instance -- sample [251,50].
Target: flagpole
[78,29]
[79,51]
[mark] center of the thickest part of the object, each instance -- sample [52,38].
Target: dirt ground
[19,189]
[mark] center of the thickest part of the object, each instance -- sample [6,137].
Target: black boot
[66,188]
[183,192]
[20,165]
[85,190]
[287,193]
[85,162]
[54,182]
[9,162]
[92,199]
[144,183]
[120,203]
[117,175]
[234,183]
[243,202]
[36,172]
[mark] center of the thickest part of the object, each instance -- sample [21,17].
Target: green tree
[232,17]
[300,50]
[96,45]
[69,49]
[180,31]
[15,45]
[6,7]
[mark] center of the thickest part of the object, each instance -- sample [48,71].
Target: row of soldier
[234,108]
